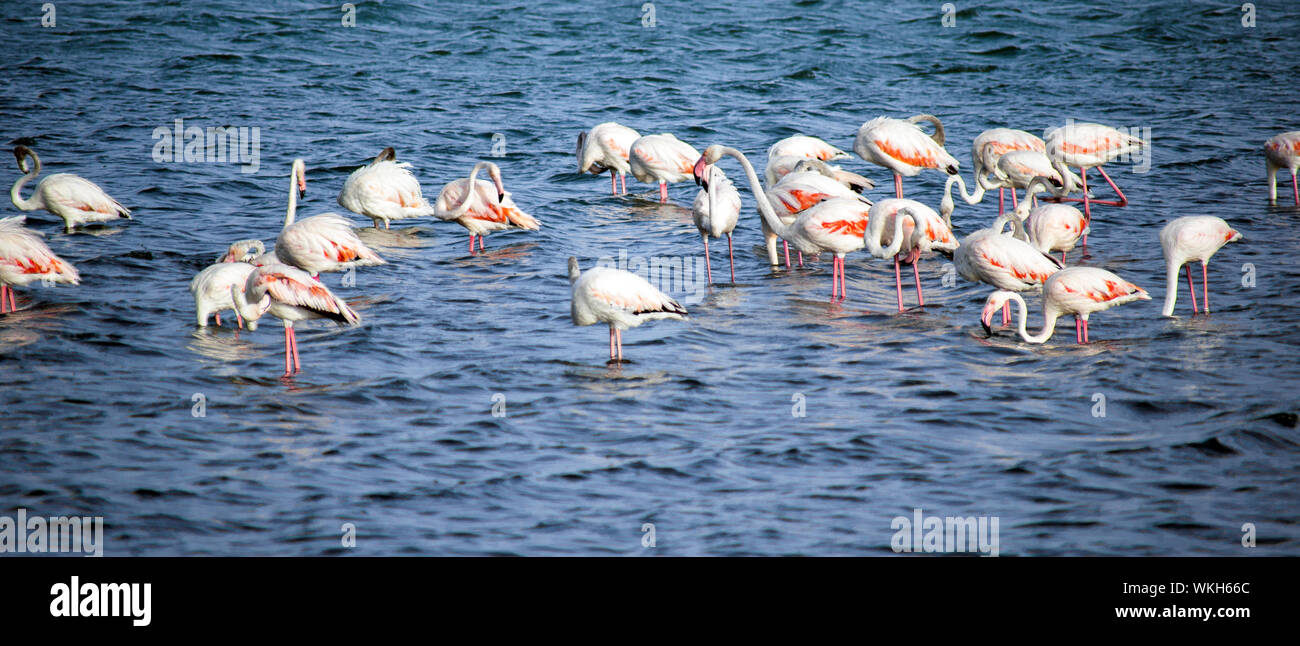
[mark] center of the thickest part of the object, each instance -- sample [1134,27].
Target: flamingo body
[1282,152]
[289,294]
[211,289]
[805,147]
[607,146]
[76,200]
[25,258]
[662,159]
[618,298]
[1080,291]
[1055,227]
[482,206]
[1188,239]
[384,190]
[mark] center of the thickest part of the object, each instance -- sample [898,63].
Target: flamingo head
[387,154]
[574,271]
[22,153]
[991,306]
[300,174]
[494,172]
[244,251]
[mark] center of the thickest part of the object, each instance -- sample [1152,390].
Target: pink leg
[1006,314]
[1122,201]
[622,179]
[1205,287]
[916,271]
[611,343]
[240,319]
[732,258]
[471,244]
[1295,188]
[13,307]
[480,243]
[613,183]
[1014,203]
[1191,289]
[288,349]
[835,279]
[1078,330]
[293,336]
[898,186]
[898,284]
[1087,204]
[4,304]
[1062,257]
[787,253]
[619,335]
[1085,331]
[218,319]
[706,259]
[663,194]
[800,258]
[844,281]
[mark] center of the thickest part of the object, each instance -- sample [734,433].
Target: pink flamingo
[805,147]
[607,146]
[78,201]
[903,148]
[483,210]
[810,181]
[916,229]
[662,158]
[289,294]
[618,298]
[1189,238]
[25,258]
[1074,290]
[990,146]
[716,212]
[324,242]
[835,225]
[1090,145]
[1283,152]
[1055,227]
[1003,261]
[384,190]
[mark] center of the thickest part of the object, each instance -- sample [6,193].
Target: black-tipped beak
[951,170]
[501,197]
[302,192]
[988,331]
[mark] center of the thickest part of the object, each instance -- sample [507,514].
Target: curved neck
[1171,289]
[1049,322]
[946,206]
[15,193]
[470,192]
[293,197]
[242,306]
[756,186]
[876,228]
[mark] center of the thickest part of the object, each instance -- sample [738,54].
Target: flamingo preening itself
[909,228]
[1282,152]
[835,225]
[661,159]
[808,183]
[77,200]
[289,294]
[990,146]
[607,146]
[1090,145]
[805,147]
[24,259]
[324,242]
[384,190]
[902,147]
[716,212]
[1188,239]
[482,206]
[618,298]
[1074,290]
[211,290]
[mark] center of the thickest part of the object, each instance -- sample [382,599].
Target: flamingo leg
[1205,289]
[835,277]
[707,265]
[471,244]
[1006,314]
[288,347]
[1192,289]
[800,258]
[1122,201]
[787,253]
[611,343]
[218,319]
[385,225]
[13,307]
[4,292]
[1014,203]
[898,284]
[663,192]
[623,180]
[619,335]
[480,243]
[898,186]
[1078,330]
[916,272]
[732,258]
[293,336]
[1002,196]
[1085,331]
[613,183]
[844,280]
[240,319]
[1062,257]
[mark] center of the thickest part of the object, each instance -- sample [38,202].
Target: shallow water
[391,427]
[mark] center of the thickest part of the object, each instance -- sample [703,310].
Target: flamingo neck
[876,229]
[15,193]
[946,206]
[1171,288]
[1049,321]
[470,192]
[756,186]
[293,197]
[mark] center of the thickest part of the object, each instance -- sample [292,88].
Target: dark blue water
[390,426]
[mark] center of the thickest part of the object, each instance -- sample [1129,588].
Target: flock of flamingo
[806,202]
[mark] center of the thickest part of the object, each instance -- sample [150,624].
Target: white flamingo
[990,146]
[75,199]
[902,147]
[810,182]
[620,299]
[909,228]
[835,225]
[1080,291]
[483,210]
[661,159]
[211,290]
[324,242]
[1003,261]
[289,294]
[384,190]
[1090,145]
[716,212]
[607,146]
[25,258]
[1187,239]
[1055,227]
[1282,152]
[805,147]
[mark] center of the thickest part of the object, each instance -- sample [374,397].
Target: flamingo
[778,167]
[1089,145]
[835,225]
[324,242]
[77,200]
[211,289]
[661,158]
[488,208]
[927,232]
[716,211]
[805,147]
[24,258]
[810,182]
[1003,261]
[1283,152]
[289,294]
[1193,237]
[991,145]
[618,298]
[1074,290]
[384,190]
[903,148]
[252,252]
[1055,227]
[1018,168]
[607,147]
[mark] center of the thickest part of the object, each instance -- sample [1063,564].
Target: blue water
[390,427]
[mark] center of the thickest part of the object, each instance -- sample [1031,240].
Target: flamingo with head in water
[289,294]
[810,182]
[75,199]
[661,159]
[902,147]
[990,146]
[1187,239]
[324,242]
[1080,291]
[904,229]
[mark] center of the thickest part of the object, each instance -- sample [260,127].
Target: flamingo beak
[698,171]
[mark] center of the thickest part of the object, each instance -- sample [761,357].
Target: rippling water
[390,426]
